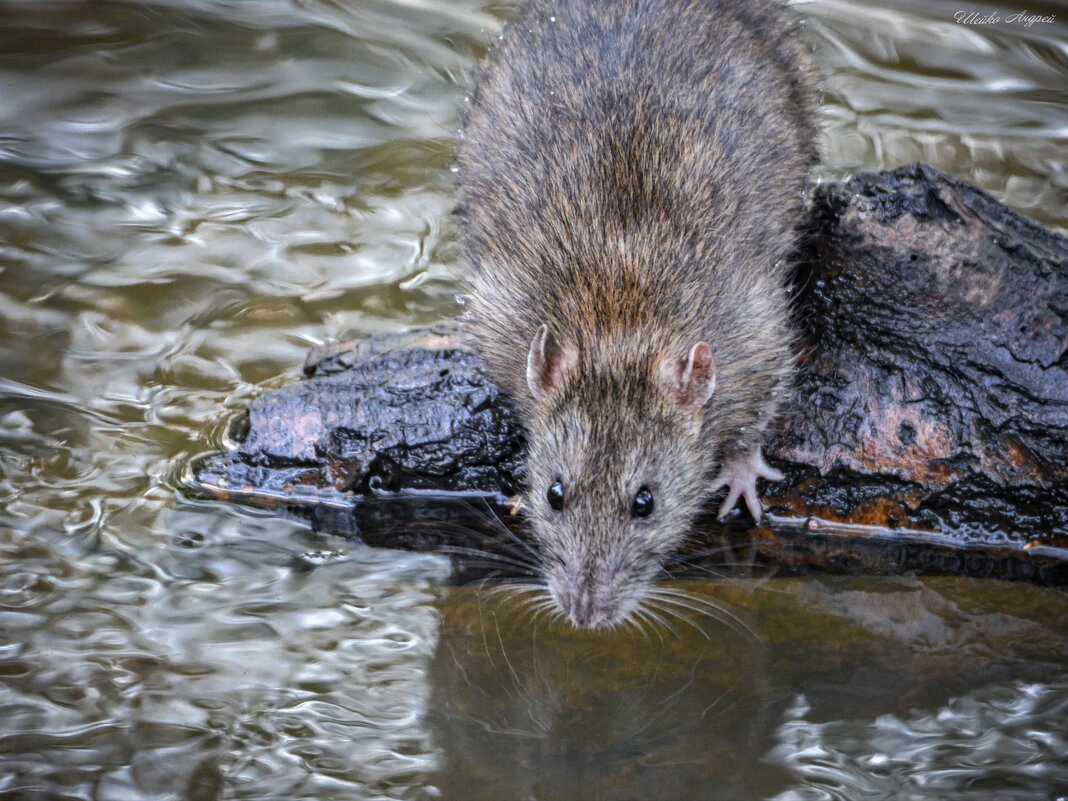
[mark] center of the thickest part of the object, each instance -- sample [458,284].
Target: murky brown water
[192,192]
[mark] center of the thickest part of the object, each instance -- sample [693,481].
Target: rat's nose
[585,609]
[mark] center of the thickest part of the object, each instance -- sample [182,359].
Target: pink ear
[691,379]
[547,363]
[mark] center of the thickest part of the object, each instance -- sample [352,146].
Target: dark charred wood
[928,432]
[934,388]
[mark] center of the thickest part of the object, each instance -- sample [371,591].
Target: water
[192,193]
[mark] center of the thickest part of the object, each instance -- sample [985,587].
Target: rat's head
[615,471]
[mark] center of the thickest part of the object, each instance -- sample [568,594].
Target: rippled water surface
[193,192]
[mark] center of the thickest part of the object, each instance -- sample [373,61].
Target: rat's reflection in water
[523,710]
[549,711]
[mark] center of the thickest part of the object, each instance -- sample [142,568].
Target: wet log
[928,431]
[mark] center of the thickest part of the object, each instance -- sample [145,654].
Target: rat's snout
[590,600]
[586,607]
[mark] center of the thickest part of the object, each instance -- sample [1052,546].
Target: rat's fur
[631,175]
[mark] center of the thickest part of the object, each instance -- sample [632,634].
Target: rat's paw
[740,472]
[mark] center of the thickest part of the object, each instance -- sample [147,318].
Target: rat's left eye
[555,496]
[643,503]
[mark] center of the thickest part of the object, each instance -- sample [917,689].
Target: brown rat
[631,176]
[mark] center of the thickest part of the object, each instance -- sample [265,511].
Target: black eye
[556,496]
[643,503]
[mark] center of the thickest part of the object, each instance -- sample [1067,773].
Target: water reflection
[840,671]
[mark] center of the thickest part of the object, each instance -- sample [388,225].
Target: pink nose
[585,610]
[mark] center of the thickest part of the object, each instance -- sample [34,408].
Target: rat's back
[633,165]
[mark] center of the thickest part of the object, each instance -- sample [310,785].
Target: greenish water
[192,193]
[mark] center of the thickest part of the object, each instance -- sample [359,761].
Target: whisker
[543,606]
[546,607]
[685,556]
[659,604]
[522,595]
[489,515]
[511,541]
[661,621]
[761,584]
[703,568]
[489,558]
[504,653]
[628,622]
[515,587]
[706,607]
[646,616]
[726,693]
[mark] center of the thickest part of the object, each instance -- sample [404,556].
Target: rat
[632,174]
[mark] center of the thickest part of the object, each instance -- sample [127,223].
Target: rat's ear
[547,363]
[691,379]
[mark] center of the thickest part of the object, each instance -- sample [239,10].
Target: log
[928,431]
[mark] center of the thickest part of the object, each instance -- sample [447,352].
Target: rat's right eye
[555,496]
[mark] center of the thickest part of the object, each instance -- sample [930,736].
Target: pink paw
[740,472]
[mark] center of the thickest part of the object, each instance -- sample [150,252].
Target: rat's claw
[740,472]
[732,498]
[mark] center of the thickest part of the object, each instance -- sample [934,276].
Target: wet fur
[631,174]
